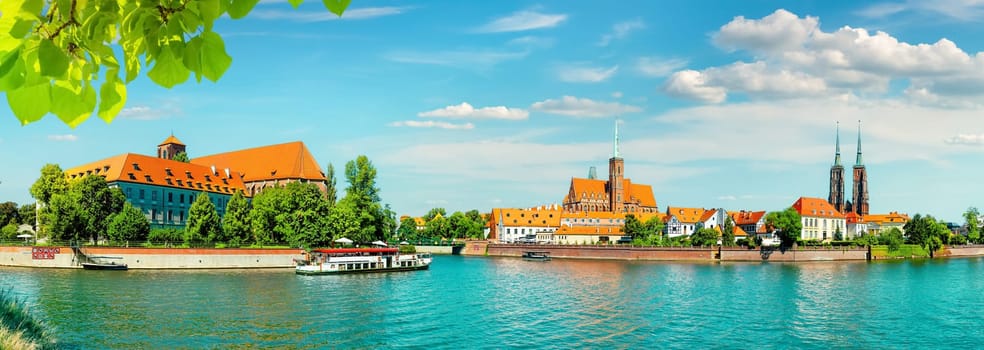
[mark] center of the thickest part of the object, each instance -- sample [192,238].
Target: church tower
[860,193]
[616,177]
[170,147]
[836,194]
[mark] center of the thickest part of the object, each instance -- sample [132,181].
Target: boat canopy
[356,250]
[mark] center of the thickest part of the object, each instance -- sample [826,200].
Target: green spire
[837,157]
[859,162]
[615,154]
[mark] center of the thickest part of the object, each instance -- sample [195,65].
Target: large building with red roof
[269,166]
[821,221]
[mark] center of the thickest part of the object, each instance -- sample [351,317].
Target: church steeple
[615,153]
[837,156]
[859,162]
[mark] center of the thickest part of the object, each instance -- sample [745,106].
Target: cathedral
[859,200]
[617,195]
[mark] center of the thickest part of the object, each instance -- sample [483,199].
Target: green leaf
[72,105]
[210,11]
[215,60]
[10,76]
[295,3]
[337,6]
[168,70]
[30,103]
[193,57]
[54,61]
[112,96]
[240,8]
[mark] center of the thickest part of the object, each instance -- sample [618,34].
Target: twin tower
[859,201]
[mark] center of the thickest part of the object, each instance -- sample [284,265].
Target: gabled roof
[816,208]
[893,217]
[746,217]
[736,230]
[642,193]
[290,160]
[685,215]
[707,215]
[171,139]
[853,218]
[598,189]
[141,169]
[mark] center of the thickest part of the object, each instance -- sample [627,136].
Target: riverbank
[151,258]
[19,330]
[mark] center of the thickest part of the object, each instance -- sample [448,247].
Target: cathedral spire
[615,153]
[859,162]
[837,156]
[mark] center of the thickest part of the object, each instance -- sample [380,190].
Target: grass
[19,329]
[904,251]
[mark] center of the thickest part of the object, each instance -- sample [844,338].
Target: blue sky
[499,103]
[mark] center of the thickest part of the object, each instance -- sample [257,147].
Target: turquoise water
[467,302]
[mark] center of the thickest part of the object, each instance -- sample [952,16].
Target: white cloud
[65,138]
[582,74]
[881,10]
[795,58]
[583,107]
[521,21]
[168,109]
[617,94]
[324,15]
[963,10]
[457,58]
[465,110]
[658,67]
[727,198]
[432,124]
[621,30]
[966,139]
[532,41]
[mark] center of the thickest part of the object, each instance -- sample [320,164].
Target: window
[168,171]
[170,216]
[181,199]
[170,197]
[153,215]
[181,215]
[153,195]
[129,193]
[141,194]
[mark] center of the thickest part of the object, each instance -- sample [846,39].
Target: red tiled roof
[171,139]
[816,207]
[586,189]
[141,169]
[685,215]
[746,217]
[707,214]
[290,160]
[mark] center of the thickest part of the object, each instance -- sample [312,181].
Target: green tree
[704,237]
[97,201]
[63,217]
[434,212]
[9,213]
[204,225]
[361,176]
[181,157]
[838,235]
[343,221]
[9,231]
[375,221]
[235,222]
[787,224]
[633,227]
[408,229]
[28,214]
[437,228]
[52,181]
[54,52]
[165,236]
[461,226]
[331,187]
[973,224]
[304,211]
[129,224]
[263,217]
[728,232]
[892,238]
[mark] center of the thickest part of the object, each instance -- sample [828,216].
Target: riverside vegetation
[19,329]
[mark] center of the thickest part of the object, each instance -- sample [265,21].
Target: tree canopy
[71,58]
[128,225]
[787,224]
[204,225]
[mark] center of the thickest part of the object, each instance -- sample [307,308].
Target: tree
[838,235]
[461,226]
[408,229]
[704,237]
[9,213]
[8,231]
[331,189]
[728,232]
[434,212]
[375,221]
[53,51]
[361,176]
[63,217]
[129,224]
[973,224]
[51,182]
[437,228]
[181,157]
[97,201]
[892,238]
[633,227]
[263,217]
[235,222]
[787,224]
[28,214]
[165,236]
[204,225]
[343,221]
[304,210]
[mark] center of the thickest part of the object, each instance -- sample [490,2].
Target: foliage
[973,224]
[181,157]
[28,214]
[904,251]
[704,237]
[838,235]
[632,227]
[866,240]
[235,221]
[407,249]
[343,221]
[204,225]
[263,216]
[728,232]
[958,239]
[787,224]
[437,227]
[9,213]
[927,232]
[891,238]
[165,236]
[83,211]
[301,221]
[63,217]
[52,179]
[19,329]
[54,52]
[375,222]
[9,231]
[407,229]
[431,214]
[129,224]
[331,188]
[465,226]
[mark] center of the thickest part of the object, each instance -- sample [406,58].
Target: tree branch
[71,21]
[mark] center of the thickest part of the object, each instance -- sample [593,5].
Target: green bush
[166,236]
[958,239]
[407,249]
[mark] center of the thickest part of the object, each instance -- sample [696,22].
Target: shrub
[408,249]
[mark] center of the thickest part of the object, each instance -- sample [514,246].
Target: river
[474,302]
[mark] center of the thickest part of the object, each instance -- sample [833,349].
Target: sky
[475,105]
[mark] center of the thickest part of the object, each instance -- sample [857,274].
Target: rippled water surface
[467,302]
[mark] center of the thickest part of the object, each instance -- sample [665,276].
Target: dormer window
[168,181]
[132,177]
[180,183]
[136,166]
[168,171]
[148,178]
[105,167]
[208,179]
[188,172]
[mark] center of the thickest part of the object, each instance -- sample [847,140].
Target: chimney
[213,170]
[228,176]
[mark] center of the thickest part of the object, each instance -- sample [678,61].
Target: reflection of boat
[536,256]
[103,266]
[357,260]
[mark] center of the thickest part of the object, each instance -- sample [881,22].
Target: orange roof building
[162,188]
[682,221]
[821,221]
[749,221]
[269,166]
[617,194]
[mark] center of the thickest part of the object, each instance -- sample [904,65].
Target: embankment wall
[964,251]
[604,252]
[153,258]
[790,255]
